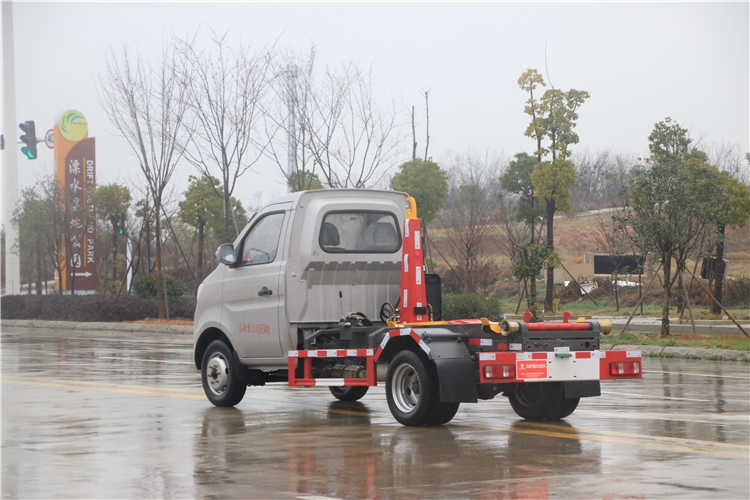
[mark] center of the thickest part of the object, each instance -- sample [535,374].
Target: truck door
[252,294]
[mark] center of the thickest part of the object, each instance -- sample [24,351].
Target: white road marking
[165,361]
[655,397]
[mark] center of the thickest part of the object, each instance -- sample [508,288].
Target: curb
[647,350]
[655,351]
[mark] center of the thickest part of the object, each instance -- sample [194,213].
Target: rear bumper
[563,366]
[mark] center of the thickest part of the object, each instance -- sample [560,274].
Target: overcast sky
[641,62]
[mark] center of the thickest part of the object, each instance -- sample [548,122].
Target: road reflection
[341,453]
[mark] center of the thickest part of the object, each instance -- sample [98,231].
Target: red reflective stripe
[538,355]
[583,355]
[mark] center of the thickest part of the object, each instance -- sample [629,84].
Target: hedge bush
[89,308]
[470,305]
[146,287]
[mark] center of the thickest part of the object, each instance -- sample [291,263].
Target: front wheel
[412,390]
[354,393]
[219,375]
[536,401]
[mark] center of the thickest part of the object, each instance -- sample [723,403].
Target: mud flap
[240,369]
[458,380]
[582,389]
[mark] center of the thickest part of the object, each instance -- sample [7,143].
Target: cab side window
[359,232]
[262,242]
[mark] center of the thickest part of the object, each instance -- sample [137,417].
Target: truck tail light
[496,372]
[621,368]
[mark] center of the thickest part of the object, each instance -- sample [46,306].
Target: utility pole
[291,134]
[10,155]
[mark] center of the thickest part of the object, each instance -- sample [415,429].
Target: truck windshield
[261,243]
[360,232]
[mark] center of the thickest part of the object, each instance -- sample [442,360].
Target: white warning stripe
[336,382]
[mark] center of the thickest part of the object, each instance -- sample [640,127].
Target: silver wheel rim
[405,388]
[217,374]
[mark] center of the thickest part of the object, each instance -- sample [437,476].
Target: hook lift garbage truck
[328,288]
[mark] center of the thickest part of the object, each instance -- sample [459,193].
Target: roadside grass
[605,306]
[739,343]
[581,305]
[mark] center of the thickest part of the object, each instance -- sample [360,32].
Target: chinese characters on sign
[80,177]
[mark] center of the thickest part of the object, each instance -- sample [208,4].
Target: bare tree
[148,102]
[599,179]
[512,231]
[731,159]
[225,93]
[331,125]
[610,237]
[468,215]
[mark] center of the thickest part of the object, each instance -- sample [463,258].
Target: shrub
[469,305]
[88,308]
[146,286]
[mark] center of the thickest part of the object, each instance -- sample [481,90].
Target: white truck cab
[302,263]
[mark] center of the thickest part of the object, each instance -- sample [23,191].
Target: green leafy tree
[527,265]
[735,213]
[43,220]
[517,180]
[32,218]
[303,181]
[110,200]
[529,81]
[552,126]
[202,209]
[670,203]
[426,182]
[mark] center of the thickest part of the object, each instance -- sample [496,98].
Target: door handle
[265,291]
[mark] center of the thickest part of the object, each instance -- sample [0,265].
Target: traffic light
[120,223]
[29,138]
[115,220]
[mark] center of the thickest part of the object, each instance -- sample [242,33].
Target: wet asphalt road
[115,415]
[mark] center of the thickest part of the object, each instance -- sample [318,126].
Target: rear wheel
[565,408]
[445,413]
[348,393]
[536,401]
[219,375]
[412,390]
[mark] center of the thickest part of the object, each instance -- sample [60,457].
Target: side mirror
[225,253]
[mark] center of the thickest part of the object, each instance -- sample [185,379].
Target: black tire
[412,390]
[565,408]
[445,413]
[536,401]
[219,376]
[348,393]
